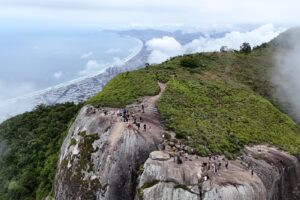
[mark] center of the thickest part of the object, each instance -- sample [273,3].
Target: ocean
[35,58]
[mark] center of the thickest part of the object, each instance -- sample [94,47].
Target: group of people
[127,116]
[180,153]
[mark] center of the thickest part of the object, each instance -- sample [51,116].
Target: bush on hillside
[189,62]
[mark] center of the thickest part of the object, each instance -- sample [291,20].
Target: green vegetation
[189,62]
[180,186]
[145,186]
[221,119]
[32,142]
[214,102]
[125,89]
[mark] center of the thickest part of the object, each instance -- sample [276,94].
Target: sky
[154,13]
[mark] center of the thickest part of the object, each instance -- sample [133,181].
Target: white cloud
[121,12]
[163,48]
[94,67]
[166,47]
[117,61]
[286,75]
[58,75]
[113,50]
[234,39]
[87,55]
[91,67]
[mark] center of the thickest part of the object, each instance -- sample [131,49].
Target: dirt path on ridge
[150,117]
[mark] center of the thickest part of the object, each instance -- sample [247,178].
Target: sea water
[35,58]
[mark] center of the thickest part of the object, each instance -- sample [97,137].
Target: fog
[286,75]
[166,47]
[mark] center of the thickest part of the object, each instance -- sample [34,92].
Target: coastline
[76,90]
[125,60]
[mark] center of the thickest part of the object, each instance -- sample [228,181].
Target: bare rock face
[101,156]
[159,155]
[261,173]
[104,158]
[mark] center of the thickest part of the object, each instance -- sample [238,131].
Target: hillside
[216,103]
[29,150]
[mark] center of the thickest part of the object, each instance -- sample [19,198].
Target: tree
[245,48]
[224,49]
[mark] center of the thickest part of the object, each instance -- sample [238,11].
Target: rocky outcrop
[105,158]
[101,155]
[261,173]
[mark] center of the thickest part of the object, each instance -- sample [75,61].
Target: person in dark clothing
[226,165]
[178,159]
[252,172]
[143,108]
[138,125]
[145,127]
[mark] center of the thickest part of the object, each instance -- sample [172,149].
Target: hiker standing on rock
[226,165]
[145,127]
[143,108]
[138,125]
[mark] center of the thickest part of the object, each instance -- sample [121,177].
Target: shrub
[189,62]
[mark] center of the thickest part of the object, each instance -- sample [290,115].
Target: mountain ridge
[214,103]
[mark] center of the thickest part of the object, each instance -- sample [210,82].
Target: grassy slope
[31,145]
[125,89]
[217,107]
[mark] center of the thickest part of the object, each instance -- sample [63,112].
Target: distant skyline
[170,14]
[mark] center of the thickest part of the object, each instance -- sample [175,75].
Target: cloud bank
[120,12]
[166,47]
[286,75]
[163,48]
